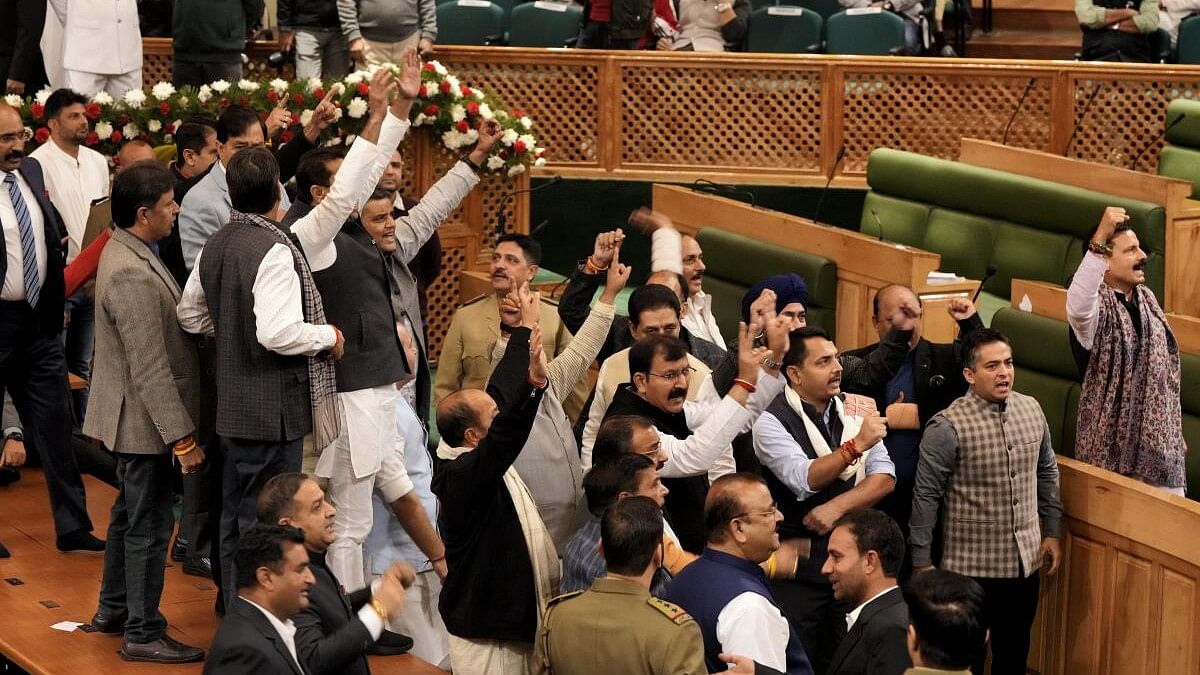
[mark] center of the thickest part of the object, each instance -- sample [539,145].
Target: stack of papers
[944,278]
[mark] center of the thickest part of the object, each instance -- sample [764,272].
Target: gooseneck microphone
[879,223]
[987,275]
[841,153]
[1013,116]
[1082,116]
[502,212]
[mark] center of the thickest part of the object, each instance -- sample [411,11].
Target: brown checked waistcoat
[991,504]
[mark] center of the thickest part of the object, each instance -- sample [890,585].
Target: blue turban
[788,288]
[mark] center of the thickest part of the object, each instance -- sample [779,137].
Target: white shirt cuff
[371,620]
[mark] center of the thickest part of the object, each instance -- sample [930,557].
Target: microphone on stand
[1082,116]
[987,275]
[1013,117]
[501,210]
[879,223]
[1170,126]
[841,153]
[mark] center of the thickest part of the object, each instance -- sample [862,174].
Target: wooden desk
[865,264]
[1181,283]
[1049,300]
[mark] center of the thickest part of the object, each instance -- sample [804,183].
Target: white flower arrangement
[509,136]
[103,129]
[13,100]
[278,86]
[247,85]
[306,117]
[154,126]
[130,130]
[458,113]
[313,84]
[494,163]
[220,86]
[134,98]
[357,108]
[42,95]
[205,94]
[516,170]
[101,98]
[527,123]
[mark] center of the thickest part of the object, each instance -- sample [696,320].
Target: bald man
[133,152]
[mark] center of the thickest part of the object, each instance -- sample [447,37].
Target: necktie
[33,285]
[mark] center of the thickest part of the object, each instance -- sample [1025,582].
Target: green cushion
[864,34]
[903,220]
[1052,393]
[1179,161]
[468,25]
[988,305]
[1187,131]
[1038,342]
[1025,253]
[532,25]
[1189,390]
[965,241]
[1041,205]
[784,33]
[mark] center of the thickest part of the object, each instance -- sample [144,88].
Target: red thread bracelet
[745,384]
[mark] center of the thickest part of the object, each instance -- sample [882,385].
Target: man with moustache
[726,591]
[33,367]
[821,460]
[1130,417]
[987,462]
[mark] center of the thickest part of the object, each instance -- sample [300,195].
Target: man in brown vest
[987,460]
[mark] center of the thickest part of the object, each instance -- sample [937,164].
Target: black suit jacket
[21,23]
[51,297]
[878,642]
[247,644]
[330,638]
[937,371]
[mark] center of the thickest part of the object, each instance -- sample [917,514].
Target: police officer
[617,626]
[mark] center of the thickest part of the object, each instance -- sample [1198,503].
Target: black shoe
[8,476]
[162,650]
[200,567]
[109,625]
[79,541]
[179,549]
[391,644]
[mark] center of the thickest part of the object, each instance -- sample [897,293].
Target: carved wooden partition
[1126,600]
[780,119]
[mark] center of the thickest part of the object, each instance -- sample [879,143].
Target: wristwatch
[466,159]
[14,436]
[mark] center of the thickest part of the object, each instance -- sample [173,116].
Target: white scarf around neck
[850,427]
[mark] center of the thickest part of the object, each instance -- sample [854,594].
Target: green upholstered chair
[735,263]
[826,8]
[545,23]
[470,22]
[1180,157]
[1028,228]
[1189,40]
[879,34]
[785,30]
[507,6]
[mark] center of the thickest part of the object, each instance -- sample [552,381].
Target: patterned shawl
[1129,410]
[322,378]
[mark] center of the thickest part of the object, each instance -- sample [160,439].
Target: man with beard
[987,462]
[466,358]
[821,460]
[695,434]
[32,366]
[1130,420]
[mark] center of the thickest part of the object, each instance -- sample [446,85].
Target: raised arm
[569,367]
[1083,295]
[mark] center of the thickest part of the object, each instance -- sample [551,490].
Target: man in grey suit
[144,401]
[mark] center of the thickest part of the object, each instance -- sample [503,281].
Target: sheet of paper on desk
[944,278]
[67,626]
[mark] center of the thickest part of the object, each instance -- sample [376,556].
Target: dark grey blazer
[877,644]
[247,644]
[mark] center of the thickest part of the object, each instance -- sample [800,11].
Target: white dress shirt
[852,617]
[751,626]
[73,185]
[699,319]
[286,630]
[14,275]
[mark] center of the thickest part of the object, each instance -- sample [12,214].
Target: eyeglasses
[22,135]
[672,375]
[771,513]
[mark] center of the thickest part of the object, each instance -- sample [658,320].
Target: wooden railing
[781,119]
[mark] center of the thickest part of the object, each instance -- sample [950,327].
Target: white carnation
[357,108]
[336,140]
[247,85]
[102,98]
[220,86]
[458,113]
[455,86]
[176,124]
[485,111]
[183,101]
[540,161]
[130,130]
[313,84]
[355,77]
[470,137]
[516,170]
[453,139]
[278,86]
[529,141]
[29,132]
[306,117]
[495,163]
[509,136]
[135,98]
[205,94]
[13,100]
[154,126]
[42,95]
[439,68]
[420,119]
[351,138]
[337,113]
[526,122]
[479,94]
[103,129]
[162,91]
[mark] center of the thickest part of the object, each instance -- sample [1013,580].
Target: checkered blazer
[991,503]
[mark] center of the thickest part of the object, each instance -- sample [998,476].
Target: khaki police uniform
[617,627]
[466,358]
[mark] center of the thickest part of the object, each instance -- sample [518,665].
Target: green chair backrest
[1189,40]
[784,30]
[735,263]
[507,6]
[1180,157]
[469,22]
[877,34]
[544,23]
